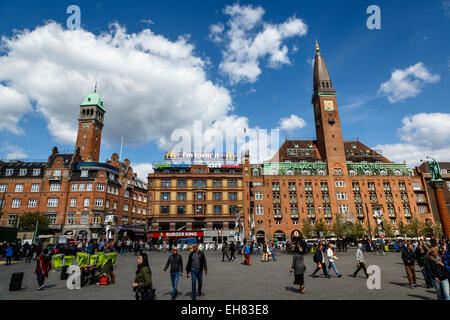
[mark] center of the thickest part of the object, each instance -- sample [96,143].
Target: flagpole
[35,231]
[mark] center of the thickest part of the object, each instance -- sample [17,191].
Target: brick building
[205,199]
[81,196]
[328,178]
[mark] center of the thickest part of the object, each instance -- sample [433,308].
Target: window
[9,172]
[340,184]
[100,187]
[232,196]
[107,204]
[416,186]
[165,209]
[232,184]
[199,183]
[217,209]
[52,218]
[368,173]
[127,193]
[36,172]
[371,186]
[139,198]
[337,171]
[308,186]
[86,202]
[52,202]
[19,187]
[115,205]
[352,172]
[22,172]
[165,183]
[111,176]
[321,173]
[275,186]
[310,210]
[32,203]
[199,196]
[73,202]
[16,203]
[3,187]
[165,196]
[139,210]
[181,209]
[75,186]
[181,196]
[343,208]
[57,172]
[84,173]
[89,187]
[341,195]
[12,220]
[84,218]
[217,183]
[35,187]
[278,222]
[98,202]
[71,218]
[397,172]
[291,186]
[422,209]
[217,196]
[125,207]
[386,186]
[355,186]
[134,196]
[81,187]
[55,187]
[258,196]
[324,186]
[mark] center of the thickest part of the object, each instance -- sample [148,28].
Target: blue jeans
[273,255]
[427,276]
[332,265]
[442,285]
[174,276]
[196,275]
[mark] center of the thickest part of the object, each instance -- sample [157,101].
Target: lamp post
[368,222]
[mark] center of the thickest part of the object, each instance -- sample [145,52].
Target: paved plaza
[262,280]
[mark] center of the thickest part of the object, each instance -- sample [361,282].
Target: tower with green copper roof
[90,125]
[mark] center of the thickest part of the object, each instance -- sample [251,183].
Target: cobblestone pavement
[262,280]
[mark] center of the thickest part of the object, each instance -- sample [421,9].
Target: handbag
[319,265]
[143,293]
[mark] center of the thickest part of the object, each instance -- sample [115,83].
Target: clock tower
[326,116]
[90,125]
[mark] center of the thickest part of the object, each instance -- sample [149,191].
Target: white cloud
[12,106]
[406,83]
[249,39]
[142,170]
[423,134]
[150,85]
[292,123]
[13,152]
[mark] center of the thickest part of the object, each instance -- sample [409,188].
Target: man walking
[232,251]
[176,269]
[195,266]
[225,252]
[9,254]
[319,258]
[409,258]
[360,262]
[246,250]
[272,248]
[43,266]
[331,258]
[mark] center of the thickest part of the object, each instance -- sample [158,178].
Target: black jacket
[298,264]
[203,265]
[318,256]
[176,263]
[408,255]
[436,270]
[421,258]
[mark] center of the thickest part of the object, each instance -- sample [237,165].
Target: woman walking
[439,274]
[299,268]
[143,281]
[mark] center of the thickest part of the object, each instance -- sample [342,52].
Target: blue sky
[408,119]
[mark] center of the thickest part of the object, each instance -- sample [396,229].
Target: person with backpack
[319,259]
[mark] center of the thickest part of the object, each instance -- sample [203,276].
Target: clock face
[328,105]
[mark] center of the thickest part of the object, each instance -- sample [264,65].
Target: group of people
[434,262]
[195,268]
[228,251]
[17,251]
[268,251]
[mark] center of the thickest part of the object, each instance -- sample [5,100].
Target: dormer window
[84,173]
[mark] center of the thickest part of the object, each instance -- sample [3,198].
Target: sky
[167,69]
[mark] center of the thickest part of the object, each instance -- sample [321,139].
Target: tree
[307,229]
[402,229]
[428,229]
[437,231]
[388,229]
[339,228]
[414,230]
[320,227]
[28,221]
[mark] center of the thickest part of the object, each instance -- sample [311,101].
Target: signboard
[257,184]
[200,155]
[171,165]
[109,218]
[177,234]
[218,166]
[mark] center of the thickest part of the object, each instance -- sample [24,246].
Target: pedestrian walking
[299,268]
[265,256]
[43,266]
[9,254]
[272,250]
[143,281]
[175,261]
[409,258]
[439,274]
[246,250]
[232,251]
[421,257]
[331,260]
[225,249]
[319,259]
[360,262]
[195,266]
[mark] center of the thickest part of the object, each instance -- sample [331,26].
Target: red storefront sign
[176,234]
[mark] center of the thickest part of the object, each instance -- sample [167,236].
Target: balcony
[276,200]
[358,200]
[405,200]
[328,216]
[360,215]
[96,225]
[293,200]
[326,200]
[309,200]
[389,200]
[277,215]
[392,215]
[294,215]
[374,200]
[54,178]
[408,215]
[311,215]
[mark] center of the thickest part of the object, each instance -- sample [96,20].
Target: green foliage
[402,228]
[437,231]
[339,228]
[320,226]
[28,221]
[307,228]
[428,229]
[414,228]
[388,229]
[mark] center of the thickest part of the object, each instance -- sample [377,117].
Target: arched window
[368,173]
[255,172]
[383,172]
[397,172]
[306,173]
[322,172]
[274,172]
[352,172]
[289,173]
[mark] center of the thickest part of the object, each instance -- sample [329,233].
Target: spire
[322,80]
[95,89]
